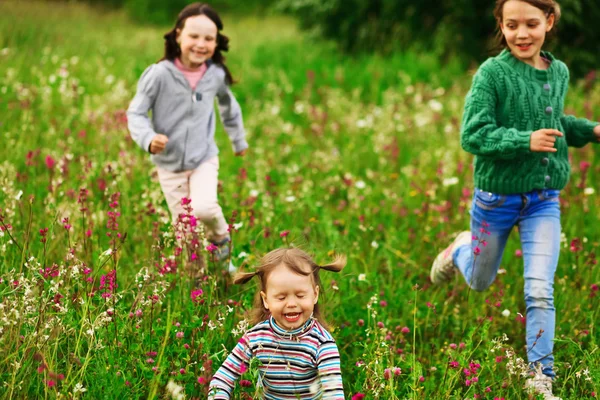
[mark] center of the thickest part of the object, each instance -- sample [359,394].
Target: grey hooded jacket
[185,116]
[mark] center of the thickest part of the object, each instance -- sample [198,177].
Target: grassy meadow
[355,156]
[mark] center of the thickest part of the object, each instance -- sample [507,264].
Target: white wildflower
[450,181]
[435,105]
[175,391]
[79,388]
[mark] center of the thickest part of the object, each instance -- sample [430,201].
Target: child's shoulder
[561,67]
[322,333]
[492,66]
[155,71]
[219,71]
[261,327]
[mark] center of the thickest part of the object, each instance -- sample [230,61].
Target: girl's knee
[539,293]
[206,212]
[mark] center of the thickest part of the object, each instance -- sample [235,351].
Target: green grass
[349,155]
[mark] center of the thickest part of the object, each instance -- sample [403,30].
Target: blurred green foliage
[163,12]
[464,28]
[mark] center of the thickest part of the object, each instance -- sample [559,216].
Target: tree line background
[462,29]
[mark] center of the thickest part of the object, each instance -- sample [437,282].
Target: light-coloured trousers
[199,185]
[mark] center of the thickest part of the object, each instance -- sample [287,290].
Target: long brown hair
[172,50]
[297,261]
[548,7]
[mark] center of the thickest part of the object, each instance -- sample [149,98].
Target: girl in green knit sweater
[514,124]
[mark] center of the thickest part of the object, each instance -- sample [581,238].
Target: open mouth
[292,317]
[524,47]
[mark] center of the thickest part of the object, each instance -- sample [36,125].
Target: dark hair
[548,7]
[172,50]
[298,262]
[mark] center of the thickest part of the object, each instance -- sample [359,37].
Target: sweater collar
[294,333]
[526,69]
[180,66]
[178,75]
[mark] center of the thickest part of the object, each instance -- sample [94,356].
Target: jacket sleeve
[138,122]
[481,133]
[231,116]
[328,363]
[223,381]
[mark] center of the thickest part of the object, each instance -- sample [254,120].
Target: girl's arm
[138,122]
[328,363]
[223,381]
[231,116]
[480,134]
[578,131]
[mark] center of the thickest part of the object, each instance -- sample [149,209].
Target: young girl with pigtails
[298,357]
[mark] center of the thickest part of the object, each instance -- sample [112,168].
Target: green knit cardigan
[508,100]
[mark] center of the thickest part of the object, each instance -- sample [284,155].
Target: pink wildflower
[50,162]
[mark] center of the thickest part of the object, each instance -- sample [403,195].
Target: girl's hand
[543,140]
[158,144]
[241,153]
[597,132]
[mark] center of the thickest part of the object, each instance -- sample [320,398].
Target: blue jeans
[537,214]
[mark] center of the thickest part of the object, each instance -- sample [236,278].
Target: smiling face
[524,27]
[197,40]
[290,297]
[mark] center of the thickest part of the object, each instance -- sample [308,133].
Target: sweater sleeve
[328,363]
[138,122]
[481,133]
[578,131]
[223,381]
[231,116]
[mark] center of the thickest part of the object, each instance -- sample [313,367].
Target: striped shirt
[300,364]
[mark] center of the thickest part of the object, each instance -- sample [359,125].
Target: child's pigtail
[243,277]
[337,265]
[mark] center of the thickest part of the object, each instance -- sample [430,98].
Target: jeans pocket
[488,200]
[548,194]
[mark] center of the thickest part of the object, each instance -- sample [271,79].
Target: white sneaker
[443,268]
[541,384]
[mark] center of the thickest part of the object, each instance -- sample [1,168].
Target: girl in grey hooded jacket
[180,134]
